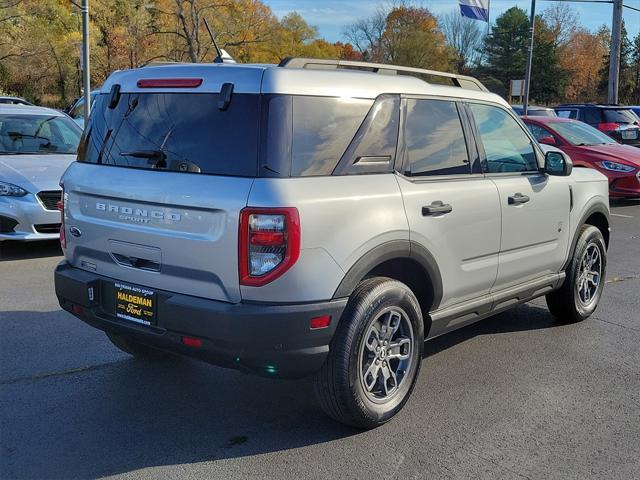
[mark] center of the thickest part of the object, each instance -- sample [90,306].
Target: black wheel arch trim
[597,208]
[391,250]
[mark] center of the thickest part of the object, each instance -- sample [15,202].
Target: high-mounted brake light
[169,83]
[269,243]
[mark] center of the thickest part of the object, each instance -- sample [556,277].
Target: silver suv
[318,218]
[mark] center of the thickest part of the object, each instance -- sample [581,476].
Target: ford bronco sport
[318,218]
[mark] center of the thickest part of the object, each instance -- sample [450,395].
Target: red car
[589,147]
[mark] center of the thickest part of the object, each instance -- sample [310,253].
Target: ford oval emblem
[75,231]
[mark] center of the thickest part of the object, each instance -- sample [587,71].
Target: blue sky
[330,16]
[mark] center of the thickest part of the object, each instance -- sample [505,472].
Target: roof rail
[456,80]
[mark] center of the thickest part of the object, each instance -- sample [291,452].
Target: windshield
[184,132]
[42,134]
[578,133]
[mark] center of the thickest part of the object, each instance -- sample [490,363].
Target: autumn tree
[583,57]
[403,35]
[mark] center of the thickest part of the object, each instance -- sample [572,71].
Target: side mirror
[547,140]
[557,163]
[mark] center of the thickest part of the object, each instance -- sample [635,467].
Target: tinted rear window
[619,116]
[175,131]
[322,131]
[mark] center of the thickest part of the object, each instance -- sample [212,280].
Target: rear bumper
[269,340]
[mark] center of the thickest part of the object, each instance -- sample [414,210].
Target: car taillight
[608,126]
[269,243]
[60,205]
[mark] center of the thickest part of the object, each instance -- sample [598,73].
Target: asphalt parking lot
[515,396]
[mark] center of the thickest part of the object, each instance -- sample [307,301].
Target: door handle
[436,208]
[518,199]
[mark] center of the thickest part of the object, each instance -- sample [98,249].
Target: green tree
[624,83]
[548,78]
[506,48]
[634,68]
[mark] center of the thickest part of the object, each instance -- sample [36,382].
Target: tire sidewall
[591,235]
[388,294]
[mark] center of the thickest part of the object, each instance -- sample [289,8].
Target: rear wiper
[157,158]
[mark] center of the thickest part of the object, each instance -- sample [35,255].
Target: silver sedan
[36,146]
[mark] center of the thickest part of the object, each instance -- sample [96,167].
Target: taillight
[269,243]
[608,126]
[60,205]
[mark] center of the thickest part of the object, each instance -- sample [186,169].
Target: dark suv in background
[620,123]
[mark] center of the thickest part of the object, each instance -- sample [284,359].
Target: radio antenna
[219,57]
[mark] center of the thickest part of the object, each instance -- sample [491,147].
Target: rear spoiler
[461,81]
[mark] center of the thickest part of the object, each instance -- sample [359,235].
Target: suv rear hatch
[165,166]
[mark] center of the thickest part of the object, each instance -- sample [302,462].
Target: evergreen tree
[506,48]
[548,78]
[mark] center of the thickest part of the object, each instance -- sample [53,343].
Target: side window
[434,139]
[567,113]
[322,131]
[507,147]
[373,148]
[592,115]
[538,131]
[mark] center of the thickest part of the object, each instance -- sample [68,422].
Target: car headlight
[11,190]
[616,167]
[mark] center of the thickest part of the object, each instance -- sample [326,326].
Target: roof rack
[456,80]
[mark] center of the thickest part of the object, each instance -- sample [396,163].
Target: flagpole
[488,17]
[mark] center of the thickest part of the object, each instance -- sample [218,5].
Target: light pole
[527,75]
[614,53]
[85,60]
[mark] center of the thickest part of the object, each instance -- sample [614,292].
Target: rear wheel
[137,349]
[578,297]
[375,355]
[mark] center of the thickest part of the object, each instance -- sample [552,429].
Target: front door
[535,206]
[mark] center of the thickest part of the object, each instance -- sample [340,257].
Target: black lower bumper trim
[270,340]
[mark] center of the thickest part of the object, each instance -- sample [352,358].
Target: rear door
[535,206]
[154,200]
[452,212]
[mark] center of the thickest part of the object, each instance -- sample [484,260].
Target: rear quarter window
[323,128]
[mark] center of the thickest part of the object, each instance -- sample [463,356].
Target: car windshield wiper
[157,158]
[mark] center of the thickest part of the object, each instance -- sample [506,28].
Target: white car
[37,145]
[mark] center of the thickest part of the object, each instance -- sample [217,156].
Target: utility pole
[85,60]
[614,54]
[527,75]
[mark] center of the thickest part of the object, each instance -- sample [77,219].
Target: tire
[351,387]
[571,303]
[137,349]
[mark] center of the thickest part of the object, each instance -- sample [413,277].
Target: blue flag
[476,9]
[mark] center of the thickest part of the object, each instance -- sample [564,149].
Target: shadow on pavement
[127,415]
[524,318]
[12,250]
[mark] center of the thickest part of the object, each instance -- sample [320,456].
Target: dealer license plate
[135,304]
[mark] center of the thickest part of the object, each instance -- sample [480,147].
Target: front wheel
[580,294]
[375,355]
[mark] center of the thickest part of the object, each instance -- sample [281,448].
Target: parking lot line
[621,215]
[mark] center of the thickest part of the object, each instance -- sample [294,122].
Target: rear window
[184,132]
[611,115]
